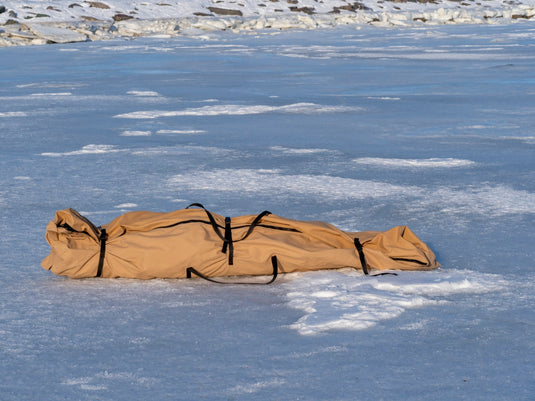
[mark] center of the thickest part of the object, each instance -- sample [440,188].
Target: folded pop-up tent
[194,241]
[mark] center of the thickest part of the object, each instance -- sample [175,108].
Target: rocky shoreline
[38,30]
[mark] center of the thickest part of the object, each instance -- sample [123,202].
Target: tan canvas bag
[148,245]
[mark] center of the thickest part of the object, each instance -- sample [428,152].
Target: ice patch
[346,300]
[136,133]
[415,163]
[235,110]
[86,150]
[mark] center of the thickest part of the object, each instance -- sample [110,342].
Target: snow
[236,110]
[429,126]
[37,22]
[415,163]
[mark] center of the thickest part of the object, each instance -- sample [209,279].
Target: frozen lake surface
[366,129]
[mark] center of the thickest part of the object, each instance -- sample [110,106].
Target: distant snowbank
[64,21]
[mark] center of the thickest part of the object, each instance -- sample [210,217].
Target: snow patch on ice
[302,151]
[346,300]
[272,181]
[101,381]
[255,387]
[383,98]
[483,200]
[235,110]
[126,205]
[487,200]
[179,131]
[527,139]
[93,387]
[143,93]
[180,150]
[136,133]
[13,114]
[86,150]
[415,163]
[52,94]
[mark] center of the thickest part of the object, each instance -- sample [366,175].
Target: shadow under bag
[194,241]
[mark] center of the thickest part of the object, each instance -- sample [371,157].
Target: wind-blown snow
[86,150]
[485,199]
[335,302]
[271,181]
[239,110]
[13,114]
[414,163]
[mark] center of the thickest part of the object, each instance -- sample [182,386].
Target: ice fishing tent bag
[148,245]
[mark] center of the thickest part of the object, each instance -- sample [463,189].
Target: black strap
[362,257]
[211,218]
[274,263]
[227,243]
[255,223]
[102,238]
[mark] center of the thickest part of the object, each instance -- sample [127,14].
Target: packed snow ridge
[64,21]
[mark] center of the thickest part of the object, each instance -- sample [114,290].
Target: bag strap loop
[274,263]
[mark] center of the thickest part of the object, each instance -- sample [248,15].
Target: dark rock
[520,16]
[98,4]
[351,7]
[87,18]
[11,22]
[2,9]
[202,14]
[74,5]
[122,17]
[224,11]
[306,10]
